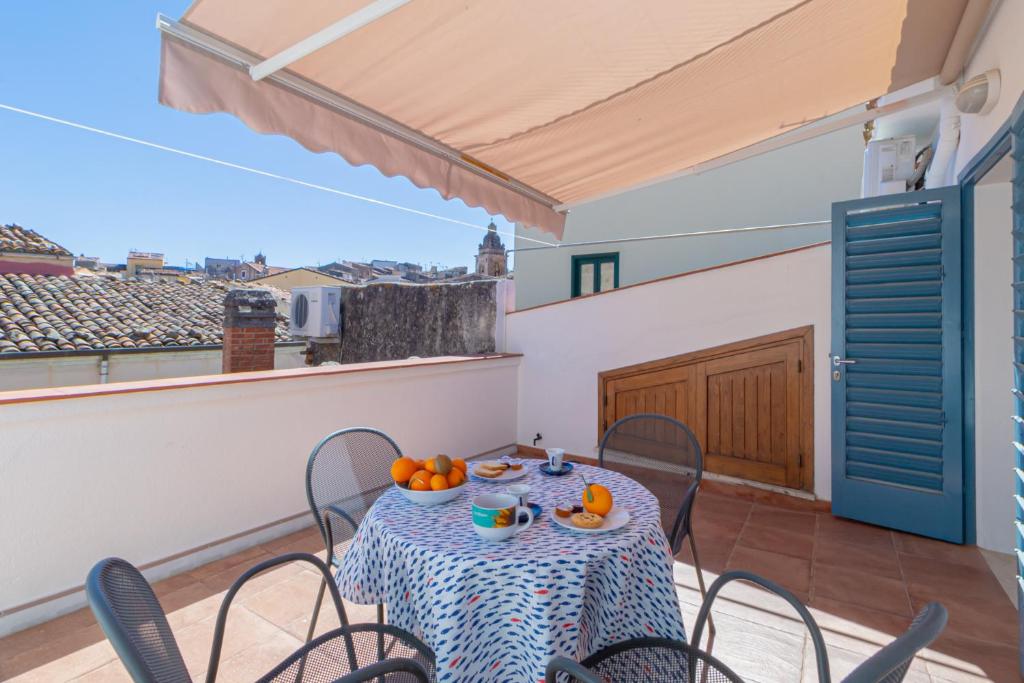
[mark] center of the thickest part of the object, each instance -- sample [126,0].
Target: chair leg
[316,609]
[380,636]
[700,583]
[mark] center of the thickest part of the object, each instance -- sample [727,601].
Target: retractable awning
[522,107]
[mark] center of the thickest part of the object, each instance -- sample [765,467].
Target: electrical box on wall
[888,164]
[315,312]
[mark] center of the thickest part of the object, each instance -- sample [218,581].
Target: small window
[593,273]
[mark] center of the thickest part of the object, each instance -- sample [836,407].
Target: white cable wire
[266,174]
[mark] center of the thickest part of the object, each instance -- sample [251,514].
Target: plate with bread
[497,470]
[579,520]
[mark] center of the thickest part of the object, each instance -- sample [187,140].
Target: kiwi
[442,464]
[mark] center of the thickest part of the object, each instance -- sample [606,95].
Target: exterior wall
[389,321]
[32,264]
[566,345]
[1000,48]
[789,185]
[63,371]
[137,263]
[993,374]
[300,278]
[214,460]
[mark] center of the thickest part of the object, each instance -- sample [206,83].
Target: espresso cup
[496,516]
[555,456]
[522,494]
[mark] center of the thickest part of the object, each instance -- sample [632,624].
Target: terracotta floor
[863,585]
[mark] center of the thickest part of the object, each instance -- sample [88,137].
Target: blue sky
[97,63]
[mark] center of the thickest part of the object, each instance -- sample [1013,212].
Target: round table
[500,610]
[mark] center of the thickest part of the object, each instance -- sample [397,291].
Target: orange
[439,482]
[602,500]
[420,481]
[403,469]
[456,477]
[430,466]
[459,464]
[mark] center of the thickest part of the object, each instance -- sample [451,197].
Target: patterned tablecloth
[498,611]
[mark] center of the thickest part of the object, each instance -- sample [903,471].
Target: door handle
[838,362]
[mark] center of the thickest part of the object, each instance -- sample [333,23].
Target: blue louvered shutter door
[896,408]
[1017,156]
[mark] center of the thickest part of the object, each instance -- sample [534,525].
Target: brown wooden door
[752,406]
[670,392]
[748,403]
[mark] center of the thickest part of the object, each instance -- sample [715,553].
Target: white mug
[522,492]
[555,456]
[496,516]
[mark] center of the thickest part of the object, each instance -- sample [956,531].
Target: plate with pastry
[497,470]
[588,522]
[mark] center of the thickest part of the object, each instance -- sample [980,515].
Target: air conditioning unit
[315,312]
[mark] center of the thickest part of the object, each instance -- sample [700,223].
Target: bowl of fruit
[430,482]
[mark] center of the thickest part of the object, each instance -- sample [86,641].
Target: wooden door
[749,404]
[752,426]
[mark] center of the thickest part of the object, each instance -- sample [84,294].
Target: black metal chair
[888,665]
[647,446]
[131,617]
[347,471]
[642,660]
[891,663]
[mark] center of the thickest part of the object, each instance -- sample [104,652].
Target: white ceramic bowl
[432,497]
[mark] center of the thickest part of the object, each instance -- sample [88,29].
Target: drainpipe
[104,368]
[939,171]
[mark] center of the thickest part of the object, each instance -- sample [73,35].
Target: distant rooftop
[144,254]
[61,313]
[16,239]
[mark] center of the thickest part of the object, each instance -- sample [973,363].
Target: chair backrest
[890,664]
[133,620]
[664,455]
[347,471]
[817,640]
[642,660]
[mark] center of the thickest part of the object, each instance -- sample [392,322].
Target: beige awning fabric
[537,103]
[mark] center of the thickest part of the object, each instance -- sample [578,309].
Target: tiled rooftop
[862,584]
[56,312]
[16,239]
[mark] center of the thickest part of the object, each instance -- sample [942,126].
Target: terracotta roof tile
[61,313]
[14,238]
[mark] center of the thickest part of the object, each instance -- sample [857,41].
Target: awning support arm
[339,29]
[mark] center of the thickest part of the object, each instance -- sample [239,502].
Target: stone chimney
[249,318]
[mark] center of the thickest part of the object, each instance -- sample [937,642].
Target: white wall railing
[156,470]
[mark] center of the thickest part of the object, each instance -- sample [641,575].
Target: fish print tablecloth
[498,611]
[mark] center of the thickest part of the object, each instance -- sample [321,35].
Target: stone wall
[389,321]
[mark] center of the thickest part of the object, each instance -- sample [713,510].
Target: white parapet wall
[173,473]
[565,345]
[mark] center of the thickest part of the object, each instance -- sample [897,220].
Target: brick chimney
[249,318]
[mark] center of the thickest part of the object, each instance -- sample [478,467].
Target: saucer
[546,469]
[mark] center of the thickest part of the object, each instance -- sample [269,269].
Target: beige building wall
[300,277]
[135,263]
